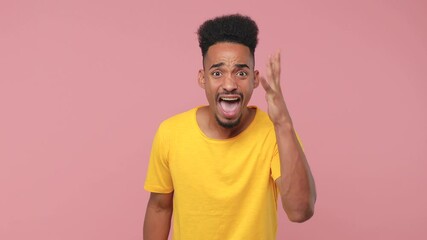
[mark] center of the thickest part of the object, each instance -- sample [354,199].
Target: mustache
[223,94]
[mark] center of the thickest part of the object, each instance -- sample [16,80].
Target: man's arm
[158,216]
[296,183]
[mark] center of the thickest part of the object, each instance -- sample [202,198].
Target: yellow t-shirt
[223,189]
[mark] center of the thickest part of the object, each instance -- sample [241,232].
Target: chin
[228,124]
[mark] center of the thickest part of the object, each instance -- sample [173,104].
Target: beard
[228,124]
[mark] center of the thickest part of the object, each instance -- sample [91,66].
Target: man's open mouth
[230,105]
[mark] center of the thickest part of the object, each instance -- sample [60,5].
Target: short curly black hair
[234,28]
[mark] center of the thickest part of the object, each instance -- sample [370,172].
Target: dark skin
[158,216]
[230,67]
[296,183]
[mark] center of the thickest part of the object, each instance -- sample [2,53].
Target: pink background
[84,85]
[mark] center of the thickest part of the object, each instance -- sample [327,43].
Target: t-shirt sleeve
[158,177]
[275,162]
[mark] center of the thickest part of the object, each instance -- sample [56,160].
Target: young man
[219,168]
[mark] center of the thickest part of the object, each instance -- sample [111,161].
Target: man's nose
[229,83]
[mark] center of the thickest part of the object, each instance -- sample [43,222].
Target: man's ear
[201,78]
[256,78]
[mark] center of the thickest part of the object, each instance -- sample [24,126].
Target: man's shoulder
[179,120]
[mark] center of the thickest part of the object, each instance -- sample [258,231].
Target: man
[219,168]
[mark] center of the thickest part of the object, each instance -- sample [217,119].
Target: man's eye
[216,74]
[242,74]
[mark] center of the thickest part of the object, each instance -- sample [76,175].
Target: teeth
[229,98]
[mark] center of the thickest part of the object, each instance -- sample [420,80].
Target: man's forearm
[296,183]
[157,223]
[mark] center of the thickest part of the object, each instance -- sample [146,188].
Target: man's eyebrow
[239,65]
[217,65]
[242,65]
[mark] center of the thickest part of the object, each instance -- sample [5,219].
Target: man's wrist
[284,125]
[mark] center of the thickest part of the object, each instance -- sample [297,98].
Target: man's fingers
[265,84]
[273,71]
[269,70]
[276,64]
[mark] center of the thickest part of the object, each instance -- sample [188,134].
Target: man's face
[228,78]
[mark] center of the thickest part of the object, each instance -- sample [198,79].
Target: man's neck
[210,127]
